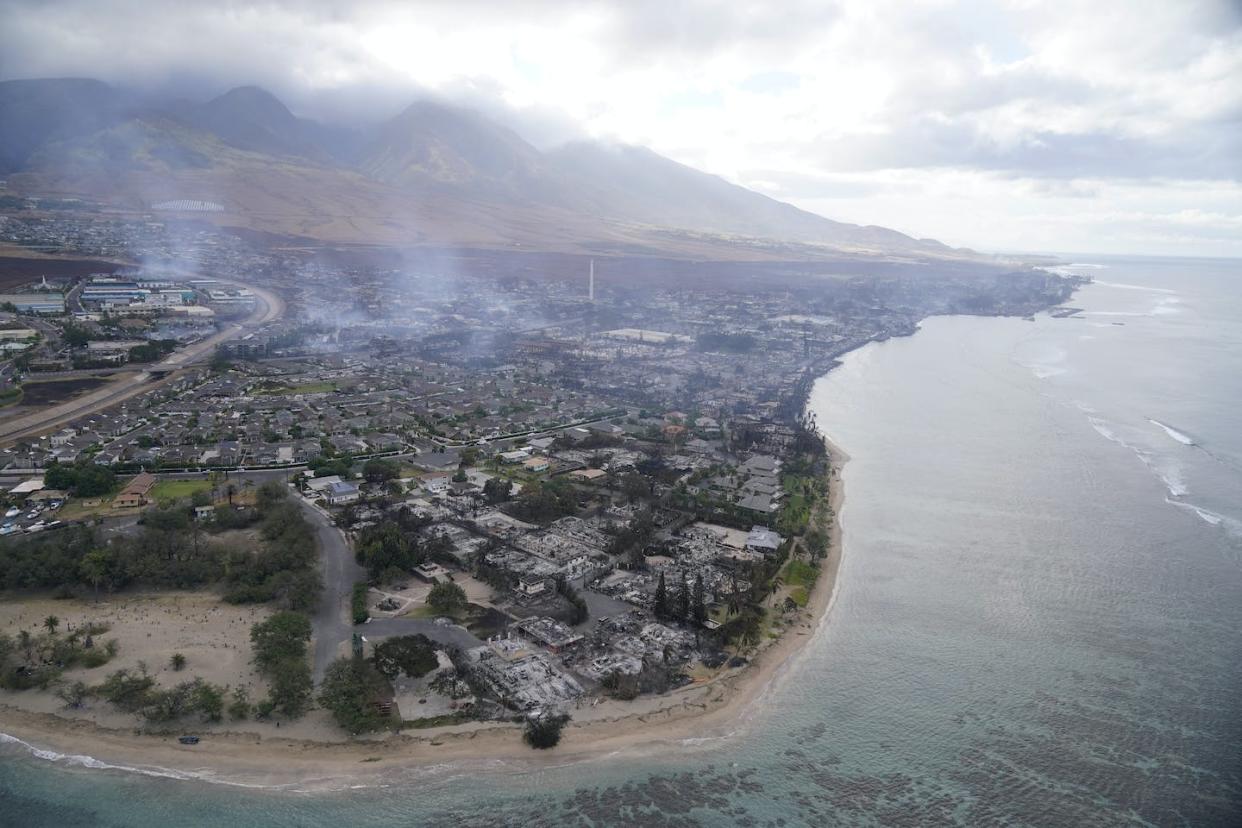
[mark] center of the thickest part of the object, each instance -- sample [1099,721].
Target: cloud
[827,103]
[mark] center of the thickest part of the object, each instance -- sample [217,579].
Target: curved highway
[268,307]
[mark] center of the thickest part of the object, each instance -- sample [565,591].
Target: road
[332,621]
[452,635]
[333,630]
[268,307]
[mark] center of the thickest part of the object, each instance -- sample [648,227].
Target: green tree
[75,336]
[544,732]
[59,476]
[635,486]
[661,599]
[177,662]
[209,701]
[51,623]
[291,686]
[378,470]
[349,691]
[543,501]
[280,638]
[497,490]
[358,602]
[413,655]
[93,480]
[446,597]
[698,604]
[239,707]
[94,568]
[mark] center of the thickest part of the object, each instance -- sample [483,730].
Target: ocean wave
[393,776]
[1184,439]
[1166,305]
[1230,525]
[84,761]
[1165,468]
[1049,363]
[1171,478]
[1207,515]
[1104,431]
[1045,371]
[1144,288]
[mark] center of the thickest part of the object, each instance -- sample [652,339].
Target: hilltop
[434,174]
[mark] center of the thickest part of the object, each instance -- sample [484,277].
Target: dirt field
[150,627]
[37,393]
[18,270]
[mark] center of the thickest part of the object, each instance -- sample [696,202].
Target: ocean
[1036,622]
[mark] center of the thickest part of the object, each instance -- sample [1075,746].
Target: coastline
[695,715]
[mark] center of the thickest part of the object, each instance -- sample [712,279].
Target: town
[538,493]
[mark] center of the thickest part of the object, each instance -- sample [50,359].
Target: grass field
[307,388]
[801,573]
[84,509]
[176,489]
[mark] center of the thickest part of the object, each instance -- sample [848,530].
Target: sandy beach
[313,754]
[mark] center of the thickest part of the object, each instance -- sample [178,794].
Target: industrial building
[44,304]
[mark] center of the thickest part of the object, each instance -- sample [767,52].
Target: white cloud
[976,122]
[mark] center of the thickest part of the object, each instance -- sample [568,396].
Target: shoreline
[659,725]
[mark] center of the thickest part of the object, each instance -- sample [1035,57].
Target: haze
[1107,127]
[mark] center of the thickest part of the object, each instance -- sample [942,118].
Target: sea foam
[1174,433]
[84,761]
[1144,288]
[1164,468]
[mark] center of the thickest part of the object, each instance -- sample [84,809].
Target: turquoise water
[1037,619]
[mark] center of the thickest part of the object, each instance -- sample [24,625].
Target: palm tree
[51,623]
[735,600]
[94,568]
[750,630]
[177,661]
[776,583]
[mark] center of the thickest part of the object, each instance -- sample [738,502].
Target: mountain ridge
[273,170]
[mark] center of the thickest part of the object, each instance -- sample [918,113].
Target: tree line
[173,550]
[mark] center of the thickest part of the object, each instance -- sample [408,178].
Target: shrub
[239,707]
[358,603]
[127,689]
[544,732]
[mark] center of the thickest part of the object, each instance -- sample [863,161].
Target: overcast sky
[1086,125]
